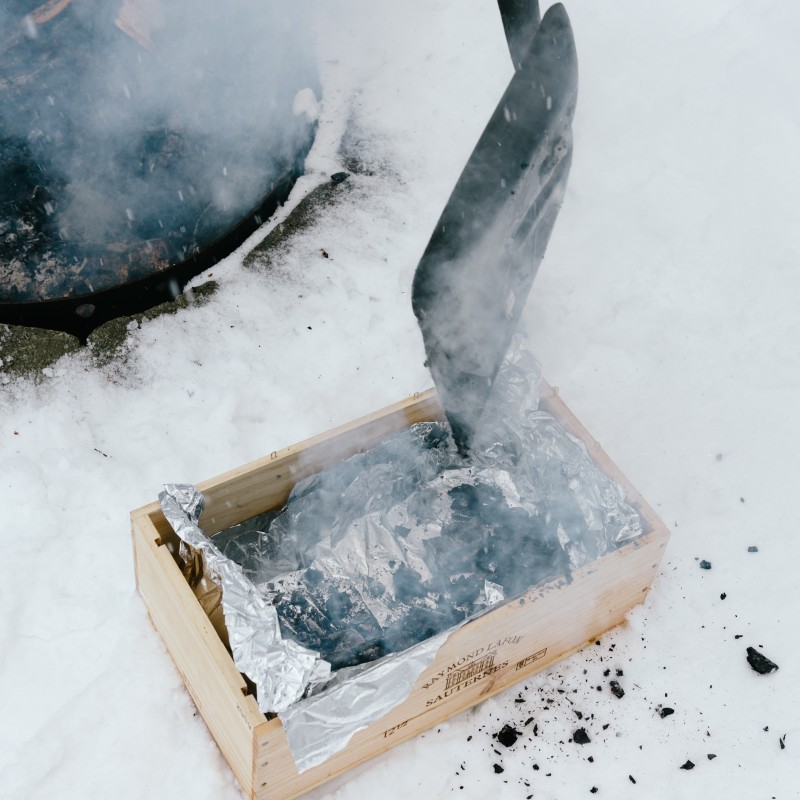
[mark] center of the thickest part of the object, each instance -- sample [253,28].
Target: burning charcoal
[508,735]
[617,690]
[581,737]
[705,564]
[759,662]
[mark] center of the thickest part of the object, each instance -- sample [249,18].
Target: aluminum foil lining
[281,669]
[373,561]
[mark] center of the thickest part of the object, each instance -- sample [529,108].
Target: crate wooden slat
[518,638]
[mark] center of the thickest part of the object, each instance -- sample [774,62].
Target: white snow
[665,310]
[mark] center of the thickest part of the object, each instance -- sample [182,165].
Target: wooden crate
[509,643]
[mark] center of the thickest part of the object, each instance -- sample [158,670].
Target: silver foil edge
[280,668]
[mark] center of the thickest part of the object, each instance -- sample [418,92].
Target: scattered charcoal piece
[536,729]
[741,499]
[469,738]
[752,549]
[605,727]
[606,673]
[578,714]
[617,690]
[766,729]
[528,721]
[723,596]
[666,711]
[339,177]
[705,564]
[631,779]
[507,735]
[620,673]
[687,765]
[535,767]
[581,737]
[593,790]
[519,700]
[759,662]
[719,456]
[782,742]
[590,759]
[498,769]
[711,756]
[738,636]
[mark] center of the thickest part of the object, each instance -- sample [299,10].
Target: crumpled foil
[281,669]
[389,551]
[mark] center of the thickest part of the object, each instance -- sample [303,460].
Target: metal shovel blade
[473,280]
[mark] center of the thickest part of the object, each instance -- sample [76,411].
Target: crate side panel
[484,657]
[204,664]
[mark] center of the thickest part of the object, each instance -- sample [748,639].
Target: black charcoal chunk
[759,662]
[498,769]
[665,712]
[581,737]
[508,735]
[705,564]
[617,690]
[752,549]
[339,177]
[687,765]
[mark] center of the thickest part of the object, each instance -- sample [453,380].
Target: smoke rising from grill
[134,133]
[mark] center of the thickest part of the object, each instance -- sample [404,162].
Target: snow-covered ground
[665,311]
